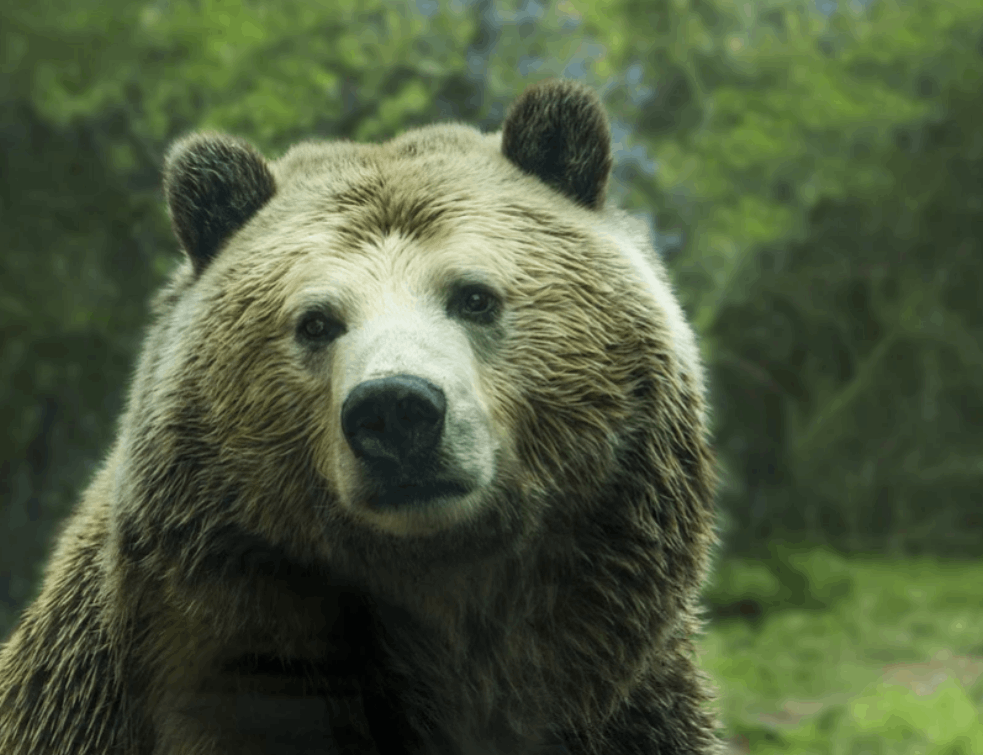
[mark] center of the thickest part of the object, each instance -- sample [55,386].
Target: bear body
[414,461]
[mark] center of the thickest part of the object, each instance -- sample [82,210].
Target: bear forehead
[432,206]
[447,187]
[442,155]
[436,141]
[409,184]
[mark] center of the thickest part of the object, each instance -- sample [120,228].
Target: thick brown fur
[231,583]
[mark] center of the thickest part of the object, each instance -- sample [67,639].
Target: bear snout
[394,425]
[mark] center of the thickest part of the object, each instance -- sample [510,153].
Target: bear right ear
[213,185]
[558,131]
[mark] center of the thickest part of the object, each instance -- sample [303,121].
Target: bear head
[402,357]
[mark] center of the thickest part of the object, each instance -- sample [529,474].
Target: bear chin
[447,539]
[416,497]
[421,499]
[420,510]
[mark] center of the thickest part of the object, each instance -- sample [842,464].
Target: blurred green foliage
[820,175]
[891,666]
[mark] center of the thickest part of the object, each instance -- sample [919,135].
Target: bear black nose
[395,421]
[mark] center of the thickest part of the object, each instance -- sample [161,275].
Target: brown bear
[414,461]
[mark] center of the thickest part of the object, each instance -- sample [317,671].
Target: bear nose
[394,420]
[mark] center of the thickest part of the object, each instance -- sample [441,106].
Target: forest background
[813,173]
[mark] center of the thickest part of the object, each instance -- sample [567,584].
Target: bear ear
[558,131]
[213,185]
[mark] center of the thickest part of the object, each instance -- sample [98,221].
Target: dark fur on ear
[558,131]
[213,185]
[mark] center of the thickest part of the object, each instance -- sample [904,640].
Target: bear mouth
[415,494]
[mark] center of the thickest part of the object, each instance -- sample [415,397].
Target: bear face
[414,353]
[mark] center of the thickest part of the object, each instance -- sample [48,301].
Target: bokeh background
[813,172]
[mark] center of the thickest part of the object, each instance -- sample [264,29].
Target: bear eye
[476,303]
[316,328]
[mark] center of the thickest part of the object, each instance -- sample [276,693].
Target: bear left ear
[558,131]
[213,185]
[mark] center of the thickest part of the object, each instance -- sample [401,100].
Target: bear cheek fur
[570,366]
[242,438]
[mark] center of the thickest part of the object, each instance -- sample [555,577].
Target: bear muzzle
[394,426]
